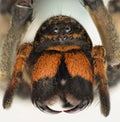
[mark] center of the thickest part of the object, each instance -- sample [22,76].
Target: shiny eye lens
[56,29]
[67,29]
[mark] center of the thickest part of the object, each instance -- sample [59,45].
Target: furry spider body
[61,63]
[61,51]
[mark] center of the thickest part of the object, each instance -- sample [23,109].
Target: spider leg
[114,9]
[105,25]
[19,66]
[98,54]
[5,25]
[21,16]
[5,17]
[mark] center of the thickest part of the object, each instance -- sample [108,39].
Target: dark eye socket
[56,29]
[67,28]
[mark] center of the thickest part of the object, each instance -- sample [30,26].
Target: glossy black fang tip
[46,109]
[79,107]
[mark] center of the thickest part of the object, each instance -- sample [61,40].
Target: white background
[23,110]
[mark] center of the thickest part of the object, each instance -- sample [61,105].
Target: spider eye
[56,29]
[67,29]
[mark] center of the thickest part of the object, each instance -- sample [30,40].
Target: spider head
[61,31]
[52,71]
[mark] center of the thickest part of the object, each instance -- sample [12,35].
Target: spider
[61,63]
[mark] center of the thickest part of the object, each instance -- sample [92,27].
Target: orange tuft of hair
[79,65]
[46,66]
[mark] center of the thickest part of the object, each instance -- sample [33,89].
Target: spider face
[59,40]
[61,62]
[61,31]
[62,65]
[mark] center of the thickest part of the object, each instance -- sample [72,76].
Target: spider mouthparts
[79,107]
[46,109]
[73,110]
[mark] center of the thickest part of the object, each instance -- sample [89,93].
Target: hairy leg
[21,15]
[99,62]
[105,25]
[17,74]
[5,25]
[114,9]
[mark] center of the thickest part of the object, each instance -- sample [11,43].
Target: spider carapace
[62,65]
